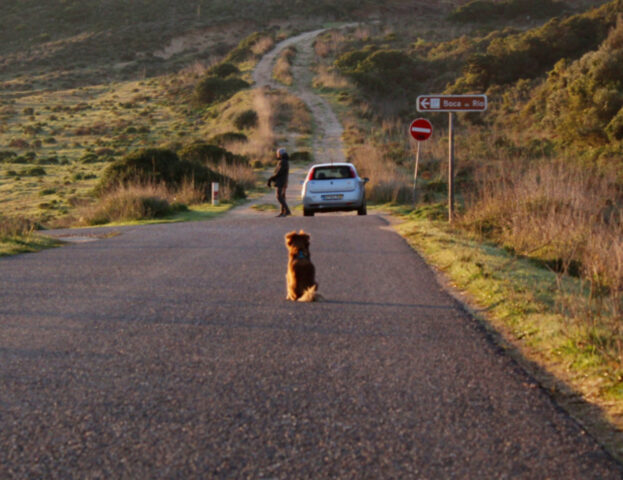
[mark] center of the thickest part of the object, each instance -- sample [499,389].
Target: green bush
[301,156]
[33,172]
[160,166]
[213,89]
[7,155]
[223,70]
[228,137]
[244,50]
[531,54]
[582,101]
[89,157]
[246,119]
[382,71]
[488,11]
[210,155]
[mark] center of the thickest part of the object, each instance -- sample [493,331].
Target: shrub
[33,172]
[382,71]
[228,137]
[223,70]
[582,101]
[530,54]
[19,143]
[210,155]
[488,11]
[150,166]
[301,157]
[7,155]
[213,89]
[244,50]
[15,227]
[89,157]
[48,161]
[246,119]
[132,202]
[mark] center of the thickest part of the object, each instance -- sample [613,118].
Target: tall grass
[131,202]
[11,227]
[327,77]
[260,145]
[283,66]
[241,173]
[569,218]
[388,184]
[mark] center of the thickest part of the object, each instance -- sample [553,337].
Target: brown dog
[301,276]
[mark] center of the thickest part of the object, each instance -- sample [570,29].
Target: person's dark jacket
[280,176]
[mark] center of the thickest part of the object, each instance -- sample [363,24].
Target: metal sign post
[417,162]
[451,168]
[421,130]
[451,104]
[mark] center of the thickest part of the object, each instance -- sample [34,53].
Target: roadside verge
[519,305]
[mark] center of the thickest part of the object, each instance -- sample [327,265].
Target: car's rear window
[331,173]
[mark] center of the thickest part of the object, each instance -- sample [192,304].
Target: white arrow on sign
[424,103]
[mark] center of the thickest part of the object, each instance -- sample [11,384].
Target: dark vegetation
[246,119]
[212,89]
[161,166]
[210,155]
[485,11]
[573,62]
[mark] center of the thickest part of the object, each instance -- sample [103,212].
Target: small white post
[215,198]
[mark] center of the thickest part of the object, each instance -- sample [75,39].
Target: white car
[333,187]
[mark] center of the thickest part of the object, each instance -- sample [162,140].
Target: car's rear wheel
[308,213]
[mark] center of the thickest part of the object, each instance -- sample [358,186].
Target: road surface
[169,351]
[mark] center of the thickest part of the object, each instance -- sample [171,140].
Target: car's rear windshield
[331,173]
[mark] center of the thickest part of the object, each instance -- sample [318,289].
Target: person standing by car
[280,179]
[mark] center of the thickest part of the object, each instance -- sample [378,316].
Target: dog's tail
[310,295]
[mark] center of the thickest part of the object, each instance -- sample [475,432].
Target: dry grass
[568,217]
[290,113]
[387,183]
[261,143]
[263,45]
[328,44]
[328,78]
[133,202]
[241,174]
[282,70]
[15,227]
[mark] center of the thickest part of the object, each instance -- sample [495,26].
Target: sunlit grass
[535,308]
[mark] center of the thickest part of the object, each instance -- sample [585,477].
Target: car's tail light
[352,173]
[311,175]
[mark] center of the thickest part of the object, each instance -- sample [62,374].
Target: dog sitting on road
[301,275]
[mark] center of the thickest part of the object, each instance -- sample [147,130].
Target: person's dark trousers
[281,198]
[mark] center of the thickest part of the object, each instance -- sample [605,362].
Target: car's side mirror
[365,180]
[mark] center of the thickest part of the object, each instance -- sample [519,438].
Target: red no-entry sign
[421,129]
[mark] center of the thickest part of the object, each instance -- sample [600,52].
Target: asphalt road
[169,351]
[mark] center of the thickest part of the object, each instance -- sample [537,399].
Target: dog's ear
[288,238]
